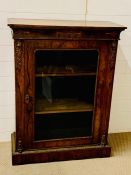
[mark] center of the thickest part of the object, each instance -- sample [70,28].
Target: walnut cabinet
[63,78]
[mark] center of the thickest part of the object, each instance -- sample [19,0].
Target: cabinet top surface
[40,23]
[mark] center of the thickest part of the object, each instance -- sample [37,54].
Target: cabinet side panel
[104,90]
[19,85]
[109,77]
[100,90]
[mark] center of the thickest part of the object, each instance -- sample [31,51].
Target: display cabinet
[64,77]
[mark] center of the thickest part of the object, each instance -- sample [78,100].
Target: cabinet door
[64,83]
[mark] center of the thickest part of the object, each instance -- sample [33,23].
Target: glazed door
[61,91]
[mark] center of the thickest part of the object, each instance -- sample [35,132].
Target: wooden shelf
[62,105]
[63,133]
[69,70]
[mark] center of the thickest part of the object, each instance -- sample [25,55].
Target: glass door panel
[64,92]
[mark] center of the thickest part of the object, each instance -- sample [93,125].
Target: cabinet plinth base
[59,154]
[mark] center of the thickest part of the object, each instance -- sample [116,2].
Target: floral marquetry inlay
[113,55]
[18,46]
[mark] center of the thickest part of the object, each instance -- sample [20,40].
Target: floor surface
[118,164]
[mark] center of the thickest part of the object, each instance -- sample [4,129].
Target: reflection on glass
[47,88]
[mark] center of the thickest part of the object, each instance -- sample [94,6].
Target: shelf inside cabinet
[68,70]
[65,125]
[62,105]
